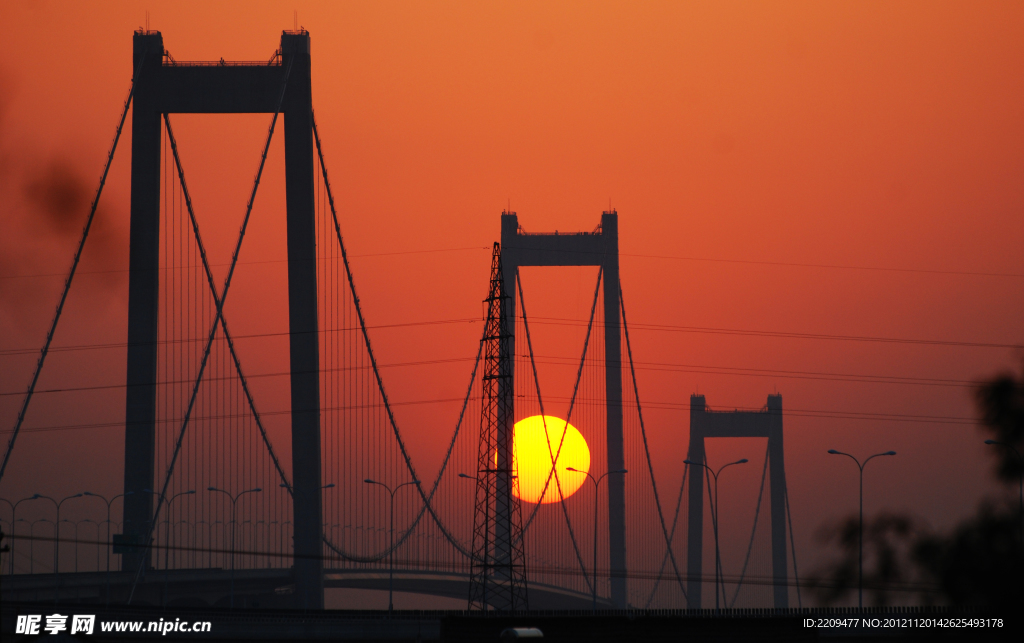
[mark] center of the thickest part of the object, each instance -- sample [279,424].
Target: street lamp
[191,537]
[11,505]
[109,524]
[391,549]
[75,539]
[167,535]
[167,531]
[14,511]
[714,522]
[482,562]
[1020,482]
[257,530]
[860,523]
[234,499]
[12,547]
[195,541]
[96,542]
[32,544]
[56,541]
[291,490]
[597,488]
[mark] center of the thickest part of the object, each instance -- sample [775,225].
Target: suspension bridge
[211,514]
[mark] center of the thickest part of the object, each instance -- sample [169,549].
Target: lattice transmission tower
[498,578]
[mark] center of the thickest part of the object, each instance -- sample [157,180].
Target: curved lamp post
[234,500]
[1020,484]
[56,539]
[14,511]
[714,521]
[167,530]
[75,540]
[860,523]
[195,539]
[391,549]
[56,543]
[109,525]
[97,541]
[167,537]
[11,505]
[597,488]
[32,543]
[477,480]
[291,491]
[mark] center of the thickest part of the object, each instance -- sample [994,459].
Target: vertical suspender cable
[217,300]
[380,386]
[554,455]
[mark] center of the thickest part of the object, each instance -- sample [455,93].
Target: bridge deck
[254,587]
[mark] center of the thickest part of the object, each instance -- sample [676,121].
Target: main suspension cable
[547,436]
[671,536]
[216,299]
[427,507]
[647,451]
[71,273]
[753,531]
[792,545]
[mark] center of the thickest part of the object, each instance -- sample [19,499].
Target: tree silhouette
[979,564]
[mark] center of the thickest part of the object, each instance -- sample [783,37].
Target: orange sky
[871,135]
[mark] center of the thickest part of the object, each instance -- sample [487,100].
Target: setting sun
[533,459]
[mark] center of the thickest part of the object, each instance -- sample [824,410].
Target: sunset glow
[816,204]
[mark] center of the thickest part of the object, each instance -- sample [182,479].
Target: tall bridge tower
[598,248]
[164,87]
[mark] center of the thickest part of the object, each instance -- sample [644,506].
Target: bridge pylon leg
[302,321]
[143,300]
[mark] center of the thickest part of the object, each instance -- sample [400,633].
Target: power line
[560,321]
[794,335]
[225,378]
[787,374]
[831,266]
[665,405]
[566,361]
[123,270]
[195,340]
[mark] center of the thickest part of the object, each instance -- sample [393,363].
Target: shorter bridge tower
[498,579]
[766,423]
